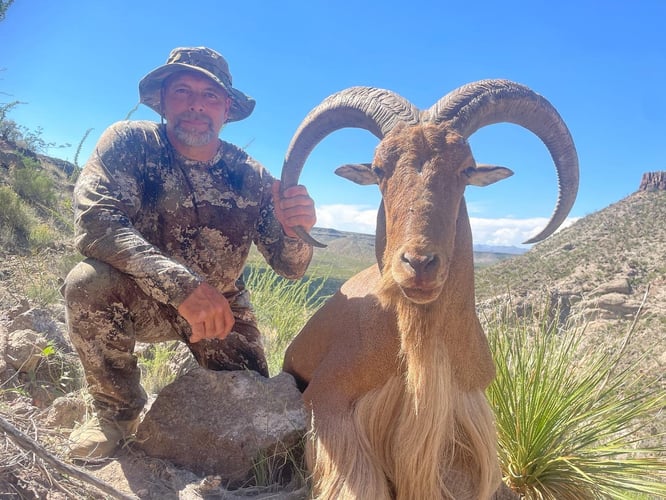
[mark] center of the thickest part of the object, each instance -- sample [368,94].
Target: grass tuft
[156,368]
[282,308]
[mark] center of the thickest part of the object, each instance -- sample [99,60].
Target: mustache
[193,115]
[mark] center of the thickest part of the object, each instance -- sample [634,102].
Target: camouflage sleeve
[289,257]
[107,197]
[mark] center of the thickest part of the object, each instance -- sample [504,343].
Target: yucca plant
[572,424]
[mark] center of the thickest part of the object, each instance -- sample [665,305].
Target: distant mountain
[331,235]
[511,250]
[356,251]
[626,240]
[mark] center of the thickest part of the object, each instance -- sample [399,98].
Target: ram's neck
[443,336]
[446,331]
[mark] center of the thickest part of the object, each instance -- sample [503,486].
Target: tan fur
[396,392]
[416,437]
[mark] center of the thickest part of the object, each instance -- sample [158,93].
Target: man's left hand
[294,207]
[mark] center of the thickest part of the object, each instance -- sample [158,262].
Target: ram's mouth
[421,295]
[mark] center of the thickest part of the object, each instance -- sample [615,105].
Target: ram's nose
[420,275]
[422,265]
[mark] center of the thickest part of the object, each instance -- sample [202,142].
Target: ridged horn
[375,110]
[475,105]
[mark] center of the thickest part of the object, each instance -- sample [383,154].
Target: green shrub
[16,219]
[42,236]
[66,262]
[33,185]
[37,277]
[571,423]
[55,374]
[4,5]
[43,290]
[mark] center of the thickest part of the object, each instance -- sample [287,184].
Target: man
[165,215]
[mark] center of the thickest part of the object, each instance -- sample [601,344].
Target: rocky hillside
[606,270]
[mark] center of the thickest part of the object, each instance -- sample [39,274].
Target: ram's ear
[360,173]
[485,175]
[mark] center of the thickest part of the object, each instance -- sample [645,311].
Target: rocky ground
[41,402]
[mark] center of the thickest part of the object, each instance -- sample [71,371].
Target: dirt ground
[33,465]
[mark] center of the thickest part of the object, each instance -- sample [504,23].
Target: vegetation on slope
[624,239]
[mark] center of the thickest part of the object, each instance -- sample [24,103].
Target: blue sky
[602,64]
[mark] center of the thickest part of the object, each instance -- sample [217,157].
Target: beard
[194,137]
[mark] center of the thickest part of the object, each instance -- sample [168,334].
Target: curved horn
[485,102]
[375,110]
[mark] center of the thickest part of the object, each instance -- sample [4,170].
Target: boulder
[618,285]
[64,412]
[24,349]
[226,423]
[611,306]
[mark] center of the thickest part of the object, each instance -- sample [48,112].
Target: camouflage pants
[107,313]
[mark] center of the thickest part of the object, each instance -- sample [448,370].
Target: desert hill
[609,268]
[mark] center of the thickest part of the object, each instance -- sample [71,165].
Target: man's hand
[294,208]
[208,313]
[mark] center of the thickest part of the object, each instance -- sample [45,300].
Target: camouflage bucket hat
[204,61]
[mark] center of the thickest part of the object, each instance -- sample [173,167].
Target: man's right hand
[208,313]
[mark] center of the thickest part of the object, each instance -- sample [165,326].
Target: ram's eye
[378,171]
[469,171]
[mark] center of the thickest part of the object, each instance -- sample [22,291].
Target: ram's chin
[421,295]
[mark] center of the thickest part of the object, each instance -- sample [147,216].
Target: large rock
[611,306]
[617,285]
[653,181]
[63,413]
[24,349]
[224,423]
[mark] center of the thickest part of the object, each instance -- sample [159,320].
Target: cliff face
[653,181]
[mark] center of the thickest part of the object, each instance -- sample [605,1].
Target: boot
[99,438]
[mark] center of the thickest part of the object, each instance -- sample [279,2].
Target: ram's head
[423,164]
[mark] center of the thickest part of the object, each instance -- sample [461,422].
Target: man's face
[195,108]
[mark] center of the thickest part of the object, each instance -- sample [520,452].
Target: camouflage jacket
[172,223]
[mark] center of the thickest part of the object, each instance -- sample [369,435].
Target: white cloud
[354,218]
[496,232]
[505,232]
[508,231]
